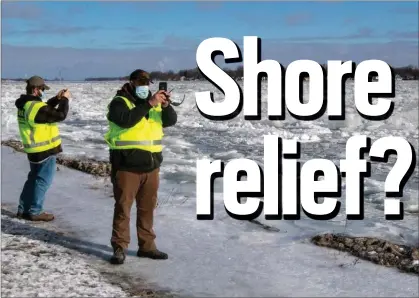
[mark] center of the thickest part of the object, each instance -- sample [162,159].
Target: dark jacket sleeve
[50,114]
[169,116]
[53,101]
[122,116]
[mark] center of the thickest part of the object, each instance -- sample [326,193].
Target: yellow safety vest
[36,137]
[147,134]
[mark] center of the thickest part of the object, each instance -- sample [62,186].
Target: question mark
[399,174]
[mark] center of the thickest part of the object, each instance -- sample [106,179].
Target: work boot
[118,256]
[153,254]
[20,215]
[44,216]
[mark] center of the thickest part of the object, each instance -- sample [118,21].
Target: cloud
[403,34]
[298,19]
[349,20]
[174,41]
[142,42]
[361,33]
[76,10]
[13,10]
[208,5]
[81,63]
[134,34]
[51,30]
[286,52]
[150,6]
[258,20]
[48,29]
[405,10]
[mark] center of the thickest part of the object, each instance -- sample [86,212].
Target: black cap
[37,81]
[141,76]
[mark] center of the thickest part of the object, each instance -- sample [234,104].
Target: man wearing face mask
[136,121]
[41,140]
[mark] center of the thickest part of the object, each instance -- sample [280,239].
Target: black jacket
[135,160]
[50,113]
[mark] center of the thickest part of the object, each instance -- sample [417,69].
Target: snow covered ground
[34,268]
[226,257]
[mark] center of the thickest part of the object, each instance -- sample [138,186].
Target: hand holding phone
[163,86]
[64,93]
[157,98]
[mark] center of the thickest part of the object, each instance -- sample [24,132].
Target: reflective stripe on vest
[147,134]
[36,137]
[145,143]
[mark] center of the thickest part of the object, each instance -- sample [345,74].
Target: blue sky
[113,38]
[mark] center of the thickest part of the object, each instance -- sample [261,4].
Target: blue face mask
[142,91]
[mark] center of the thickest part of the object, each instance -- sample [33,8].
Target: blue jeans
[39,180]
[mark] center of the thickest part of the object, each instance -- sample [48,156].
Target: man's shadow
[58,238]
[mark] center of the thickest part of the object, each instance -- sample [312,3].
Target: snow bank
[35,268]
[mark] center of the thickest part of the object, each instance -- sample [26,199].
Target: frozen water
[196,137]
[225,257]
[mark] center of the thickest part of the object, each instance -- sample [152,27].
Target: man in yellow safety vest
[136,122]
[41,141]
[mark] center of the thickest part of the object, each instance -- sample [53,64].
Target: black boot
[153,254]
[20,215]
[118,256]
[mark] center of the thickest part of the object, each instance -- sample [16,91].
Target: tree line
[405,73]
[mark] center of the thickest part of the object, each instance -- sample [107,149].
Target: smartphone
[163,86]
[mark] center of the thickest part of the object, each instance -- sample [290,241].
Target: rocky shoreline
[86,165]
[372,249]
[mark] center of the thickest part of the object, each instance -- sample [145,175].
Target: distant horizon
[115,77]
[103,39]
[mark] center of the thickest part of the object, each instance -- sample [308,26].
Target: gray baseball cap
[37,81]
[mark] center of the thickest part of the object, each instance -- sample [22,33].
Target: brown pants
[143,187]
